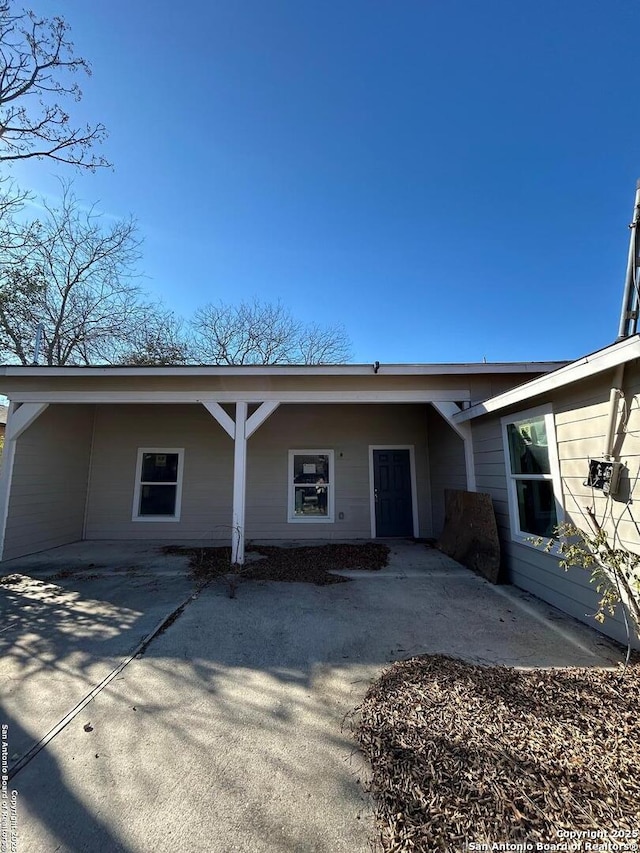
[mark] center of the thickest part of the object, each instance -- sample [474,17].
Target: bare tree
[76,276]
[13,233]
[263,333]
[158,339]
[320,345]
[37,68]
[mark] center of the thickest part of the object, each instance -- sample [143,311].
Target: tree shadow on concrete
[52,821]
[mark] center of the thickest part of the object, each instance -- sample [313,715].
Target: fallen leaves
[461,752]
[310,563]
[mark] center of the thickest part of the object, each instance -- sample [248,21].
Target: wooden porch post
[240,431]
[239,484]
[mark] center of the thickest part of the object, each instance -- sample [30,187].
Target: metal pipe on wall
[629,311]
[614,396]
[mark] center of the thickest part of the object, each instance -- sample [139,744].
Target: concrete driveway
[229,733]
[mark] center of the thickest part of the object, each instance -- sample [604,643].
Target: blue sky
[450,179]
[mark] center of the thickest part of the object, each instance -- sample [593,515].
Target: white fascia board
[418,395]
[583,368]
[14,370]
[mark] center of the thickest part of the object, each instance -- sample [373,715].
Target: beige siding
[447,463]
[207,481]
[49,483]
[208,468]
[348,430]
[580,414]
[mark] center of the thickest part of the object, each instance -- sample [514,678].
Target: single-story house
[226,454]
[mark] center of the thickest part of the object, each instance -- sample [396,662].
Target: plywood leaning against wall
[470,533]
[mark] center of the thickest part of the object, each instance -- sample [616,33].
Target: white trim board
[418,395]
[414,484]
[329,518]
[583,368]
[546,411]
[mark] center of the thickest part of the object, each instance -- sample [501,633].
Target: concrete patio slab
[67,618]
[231,732]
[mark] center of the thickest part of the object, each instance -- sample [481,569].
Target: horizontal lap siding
[581,418]
[541,575]
[348,430]
[447,465]
[48,489]
[207,480]
[489,468]
[208,468]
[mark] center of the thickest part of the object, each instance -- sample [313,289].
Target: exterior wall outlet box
[604,475]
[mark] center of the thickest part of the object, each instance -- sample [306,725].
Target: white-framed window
[157,495]
[311,486]
[533,474]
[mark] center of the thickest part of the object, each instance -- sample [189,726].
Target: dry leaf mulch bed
[309,563]
[463,753]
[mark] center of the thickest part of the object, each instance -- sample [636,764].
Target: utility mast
[631,298]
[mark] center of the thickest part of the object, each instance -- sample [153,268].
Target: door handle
[375,495]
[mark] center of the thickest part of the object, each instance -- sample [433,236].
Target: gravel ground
[464,753]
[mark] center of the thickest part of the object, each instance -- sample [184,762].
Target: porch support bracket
[463,429]
[21,418]
[225,421]
[260,415]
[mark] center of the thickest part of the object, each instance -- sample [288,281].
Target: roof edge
[19,370]
[589,365]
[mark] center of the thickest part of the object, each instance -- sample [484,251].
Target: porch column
[239,484]
[463,430]
[240,431]
[19,417]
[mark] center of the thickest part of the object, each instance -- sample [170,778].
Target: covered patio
[221,453]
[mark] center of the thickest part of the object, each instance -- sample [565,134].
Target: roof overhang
[448,369]
[341,383]
[590,365]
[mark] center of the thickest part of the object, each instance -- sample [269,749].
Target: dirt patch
[62,575]
[462,753]
[309,564]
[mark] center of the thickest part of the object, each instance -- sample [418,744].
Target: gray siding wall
[580,415]
[49,485]
[207,481]
[447,463]
[581,418]
[208,468]
[348,430]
